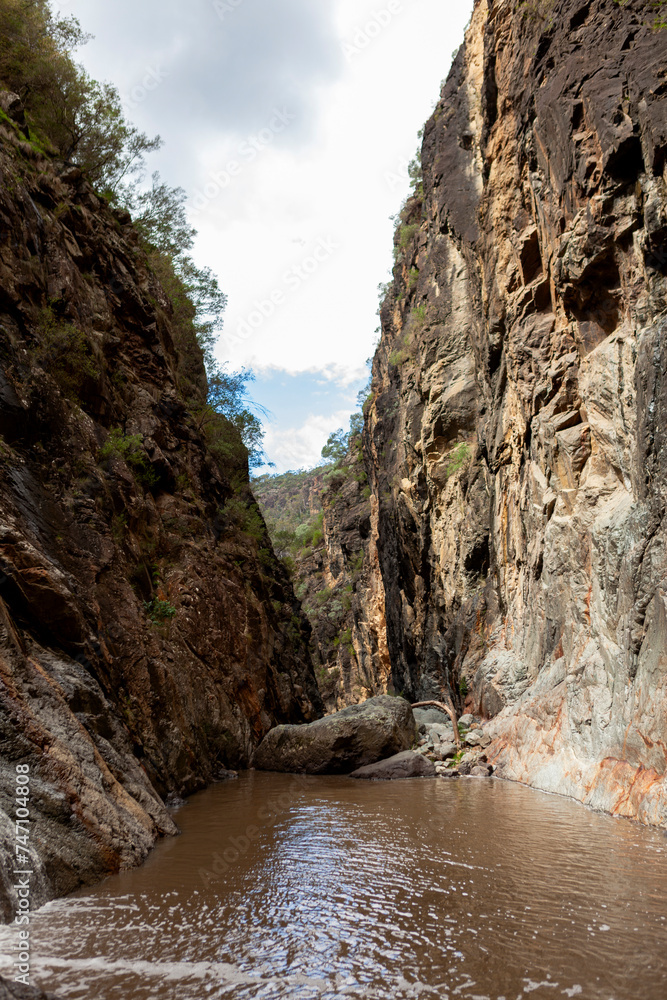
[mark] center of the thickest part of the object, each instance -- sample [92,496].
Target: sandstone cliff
[515,441]
[326,523]
[149,637]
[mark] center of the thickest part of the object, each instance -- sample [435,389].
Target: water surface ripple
[324,888]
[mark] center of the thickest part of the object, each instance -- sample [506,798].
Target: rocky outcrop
[402,765]
[342,742]
[148,636]
[16,991]
[515,436]
[336,573]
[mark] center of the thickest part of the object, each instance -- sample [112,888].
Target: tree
[81,119]
[335,449]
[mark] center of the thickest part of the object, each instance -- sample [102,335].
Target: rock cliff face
[149,638]
[516,438]
[332,522]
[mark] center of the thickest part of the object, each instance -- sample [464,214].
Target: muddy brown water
[327,887]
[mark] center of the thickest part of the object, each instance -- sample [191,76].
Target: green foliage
[404,236]
[159,611]
[244,516]
[335,449]
[345,640]
[538,10]
[356,562]
[129,447]
[83,122]
[398,357]
[415,173]
[383,290]
[81,119]
[65,351]
[463,687]
[458,459]
[413,277]
[660,8]
[119,527]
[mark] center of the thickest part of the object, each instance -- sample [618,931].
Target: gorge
[494,536]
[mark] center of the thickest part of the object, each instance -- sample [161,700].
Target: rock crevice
[514,440]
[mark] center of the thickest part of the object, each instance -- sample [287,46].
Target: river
[328,887]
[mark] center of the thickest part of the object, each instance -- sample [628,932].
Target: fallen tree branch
[450,712]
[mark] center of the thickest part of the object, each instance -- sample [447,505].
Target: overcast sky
[290,124]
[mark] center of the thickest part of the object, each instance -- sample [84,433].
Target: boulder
[427,716]
[467,720]
[481,771]
[12,106]
[340,743]
[401,765]
[442,731]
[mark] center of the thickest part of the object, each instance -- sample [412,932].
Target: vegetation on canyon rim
[70,116]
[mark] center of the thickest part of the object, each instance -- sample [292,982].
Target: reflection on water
[326,888]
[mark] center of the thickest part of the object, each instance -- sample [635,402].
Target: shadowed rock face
[342,742]
[16,991]
[112,704]
[516,437]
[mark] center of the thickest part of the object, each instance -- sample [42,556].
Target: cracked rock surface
[147,640]
[516,438]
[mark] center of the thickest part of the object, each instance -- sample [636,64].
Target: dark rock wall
[515,438]
[112,702]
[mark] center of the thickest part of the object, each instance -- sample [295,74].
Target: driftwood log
[450,712]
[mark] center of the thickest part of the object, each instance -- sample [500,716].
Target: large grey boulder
[401,765]
[428,716]
[339,743]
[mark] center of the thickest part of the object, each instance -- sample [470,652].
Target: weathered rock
[17,991]
[515,438]
[402,765]
[440,732]
[477,738]
[12,105]
[481,771]
[447,750]
[430,717]
[339,743]
[337,578]
[148,640]
[467,720]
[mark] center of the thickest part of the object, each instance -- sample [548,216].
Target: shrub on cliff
[66,353]
[80,118]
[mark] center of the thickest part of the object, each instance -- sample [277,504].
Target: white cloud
[300,447]
[351,81]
